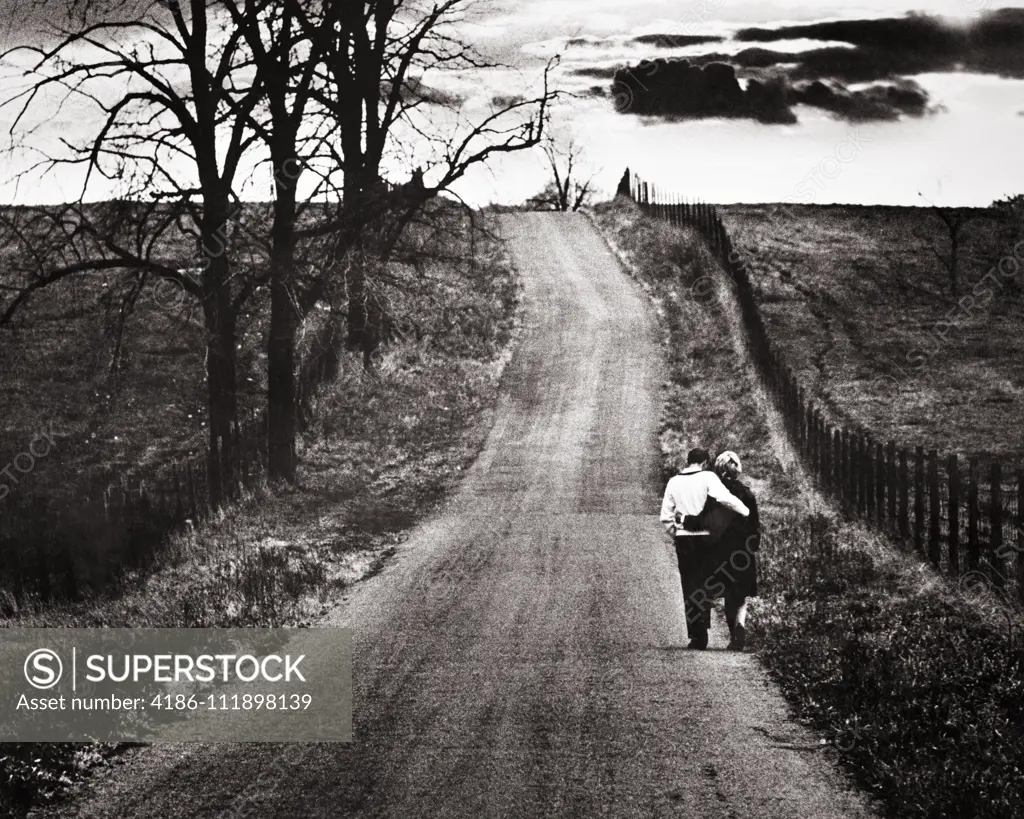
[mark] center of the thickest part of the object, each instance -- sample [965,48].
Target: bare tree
[174,88]
[569,189]
[346,109]
[331,89]
[955,219]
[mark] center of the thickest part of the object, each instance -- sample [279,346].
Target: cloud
[916,32]
[414,90]
[596,72]
[882,55]
[881,101]
[502,101]
[675,40]
[898,46]
[679,89]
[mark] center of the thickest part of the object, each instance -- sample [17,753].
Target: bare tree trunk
[284,322]
[281,395]
[358,314]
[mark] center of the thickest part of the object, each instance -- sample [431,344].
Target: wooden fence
[62,547]
[966,516]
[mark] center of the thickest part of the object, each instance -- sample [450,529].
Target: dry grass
[698,411]
[856,298]
[913,685]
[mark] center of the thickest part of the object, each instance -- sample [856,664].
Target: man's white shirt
[688,491]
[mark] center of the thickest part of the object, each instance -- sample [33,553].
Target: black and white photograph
[511,408]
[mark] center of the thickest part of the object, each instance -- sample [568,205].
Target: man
[685,497]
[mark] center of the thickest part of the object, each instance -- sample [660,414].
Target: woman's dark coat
[733,564]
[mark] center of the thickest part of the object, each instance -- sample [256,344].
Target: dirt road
[523,654]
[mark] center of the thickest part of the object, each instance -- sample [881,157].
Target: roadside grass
[914,685]
[862,309]
[382,450]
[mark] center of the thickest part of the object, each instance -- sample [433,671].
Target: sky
[962,150]
[944,129]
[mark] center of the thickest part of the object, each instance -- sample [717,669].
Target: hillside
[862,308]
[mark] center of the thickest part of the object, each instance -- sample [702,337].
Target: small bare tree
[568,189]
[955,219]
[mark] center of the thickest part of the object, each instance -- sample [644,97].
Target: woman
[737,548]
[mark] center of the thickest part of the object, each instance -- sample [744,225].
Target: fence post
[868,487]
[853,467]
[880,480]
[953,470]
[809,426]
[857,462]
[919,499]
[934,543]
[1020,532]
[179,507]
[904,481]
[190,479]
[826,455]
[816,445]
[891,483]
[869,475]
[794,400]
[973,513]
[996,555]
[816,452]
[800,414]
[837,463]
[844,465]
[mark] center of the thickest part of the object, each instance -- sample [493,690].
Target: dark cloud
[415,90]
[882,101]
[675,40]
[839,62]
[680,89]
[833,62]
[916,32]
[595,72]
[506,100]
[882,54]
[893,47]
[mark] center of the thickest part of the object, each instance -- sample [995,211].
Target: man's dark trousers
[692,552]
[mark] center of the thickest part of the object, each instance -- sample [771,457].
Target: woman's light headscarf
[728,457]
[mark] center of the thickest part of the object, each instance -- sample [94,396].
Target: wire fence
[67,547]
[966,516]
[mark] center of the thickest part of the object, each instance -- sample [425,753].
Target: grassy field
[116,370]
[863,310]
[914,686]
[56,367]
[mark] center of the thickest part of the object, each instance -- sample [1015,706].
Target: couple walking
[712,517]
